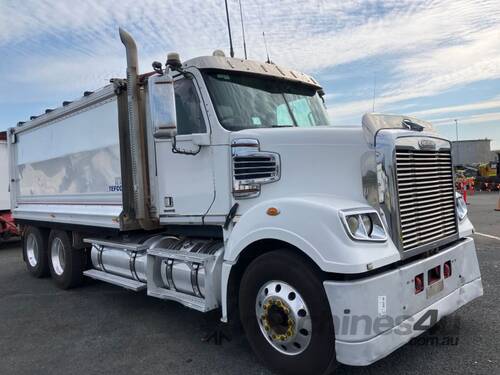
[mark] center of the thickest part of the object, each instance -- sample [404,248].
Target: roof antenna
[265,44]
[243,30]
[264,35]
[231,50]
[374,90]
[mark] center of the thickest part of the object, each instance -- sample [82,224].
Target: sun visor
[373,122]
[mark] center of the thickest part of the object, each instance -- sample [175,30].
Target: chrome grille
[255,167]
[426,196]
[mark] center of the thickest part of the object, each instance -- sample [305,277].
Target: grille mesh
[426,196]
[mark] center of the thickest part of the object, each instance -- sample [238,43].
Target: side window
[187,107]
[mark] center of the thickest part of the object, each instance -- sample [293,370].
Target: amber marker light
[273,211]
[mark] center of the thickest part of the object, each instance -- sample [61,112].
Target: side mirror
[162,106]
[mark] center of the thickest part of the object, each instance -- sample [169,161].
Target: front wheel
[286,316]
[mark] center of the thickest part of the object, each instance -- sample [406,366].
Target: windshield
[245,101]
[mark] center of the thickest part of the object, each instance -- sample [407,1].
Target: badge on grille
[427,144]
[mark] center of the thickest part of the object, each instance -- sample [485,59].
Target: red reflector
[419,283]
[447,269]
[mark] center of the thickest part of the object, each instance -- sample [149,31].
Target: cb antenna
[264,35]
[231,50]
[265,45]
[243,31]
[374,90]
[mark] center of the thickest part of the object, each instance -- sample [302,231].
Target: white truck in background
[7,226]
[219,184]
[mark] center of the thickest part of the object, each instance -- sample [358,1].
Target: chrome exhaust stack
[137,134]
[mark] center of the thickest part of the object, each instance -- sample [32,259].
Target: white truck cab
[219,183]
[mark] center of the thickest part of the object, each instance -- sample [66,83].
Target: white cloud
[479,106]
[468,120]
[62,46]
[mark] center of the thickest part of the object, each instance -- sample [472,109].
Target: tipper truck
[218,183]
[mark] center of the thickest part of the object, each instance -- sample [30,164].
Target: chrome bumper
[376,315]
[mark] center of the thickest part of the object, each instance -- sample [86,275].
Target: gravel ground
[105,329]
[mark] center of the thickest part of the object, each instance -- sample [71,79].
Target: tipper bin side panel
[71,165]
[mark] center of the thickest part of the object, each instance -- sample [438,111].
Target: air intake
[252,168]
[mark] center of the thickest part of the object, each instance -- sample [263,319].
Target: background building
[471,152]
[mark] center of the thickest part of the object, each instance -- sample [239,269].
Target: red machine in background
[7,226]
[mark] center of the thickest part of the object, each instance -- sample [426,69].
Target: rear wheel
[66,263]
[35,251]
[286,315]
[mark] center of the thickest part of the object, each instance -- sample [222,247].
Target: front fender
[312,224]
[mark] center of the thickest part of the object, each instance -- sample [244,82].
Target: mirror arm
[175,150]
[163,132]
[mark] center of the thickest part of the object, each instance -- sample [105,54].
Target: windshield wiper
[290,110]
[283,126]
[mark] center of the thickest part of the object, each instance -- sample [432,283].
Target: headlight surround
[461,206]
[363,225]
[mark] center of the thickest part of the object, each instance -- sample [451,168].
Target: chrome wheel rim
[57,256]
[283,317]
[32,250]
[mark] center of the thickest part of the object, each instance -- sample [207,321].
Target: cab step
[134,285]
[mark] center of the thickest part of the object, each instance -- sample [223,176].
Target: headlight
[461,206]
[363,225]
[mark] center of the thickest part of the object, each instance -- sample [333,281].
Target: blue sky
[438,60]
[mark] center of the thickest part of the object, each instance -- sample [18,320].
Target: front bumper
[376,315]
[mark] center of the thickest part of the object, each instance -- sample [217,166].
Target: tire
[35,251]
[306,350]
[65,263]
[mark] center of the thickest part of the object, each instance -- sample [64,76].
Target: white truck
[4,174]
[218,183]
[7,226]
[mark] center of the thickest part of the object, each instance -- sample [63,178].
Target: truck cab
[222,185]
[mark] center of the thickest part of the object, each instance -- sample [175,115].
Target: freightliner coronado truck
[219,184]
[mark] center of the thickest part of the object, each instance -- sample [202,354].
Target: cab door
[185,163]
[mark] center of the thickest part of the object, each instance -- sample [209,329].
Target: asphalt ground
[102,329]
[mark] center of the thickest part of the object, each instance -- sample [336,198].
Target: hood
[320,160]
